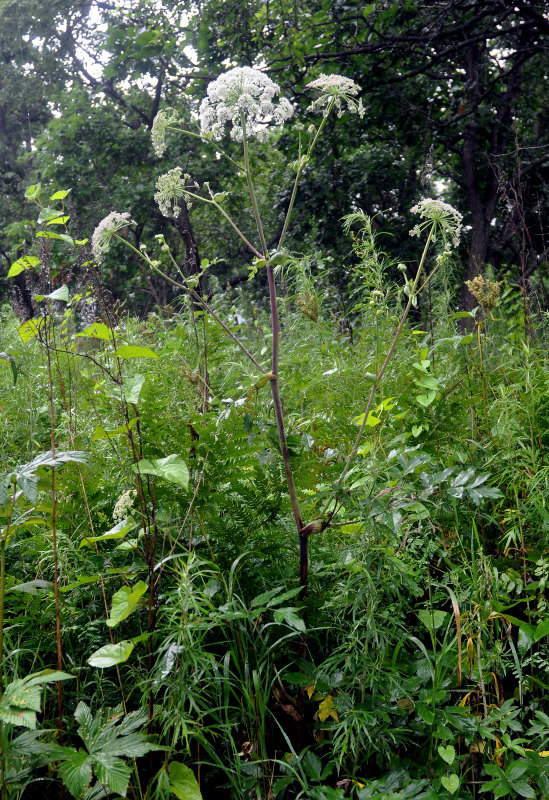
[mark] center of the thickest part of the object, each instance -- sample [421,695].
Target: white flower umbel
[337,90]
[243,91]
[123,505]
[162,121]
[102,235]
[442,216]
[170,189]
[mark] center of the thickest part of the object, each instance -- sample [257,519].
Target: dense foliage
[273,505]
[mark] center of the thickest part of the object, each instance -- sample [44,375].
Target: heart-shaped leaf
[447,753]
[451,783]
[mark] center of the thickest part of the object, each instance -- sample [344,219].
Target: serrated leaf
[290,617]
[76,772]
[133,351]
[183,783]
[172,468]
[111,654]
[112,771]
[124,602]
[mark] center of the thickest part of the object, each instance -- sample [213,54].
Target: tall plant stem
[55,552]
[275,389]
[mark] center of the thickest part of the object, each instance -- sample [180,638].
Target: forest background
[394,645]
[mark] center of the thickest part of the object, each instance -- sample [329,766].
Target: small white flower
[162,121]
[340,91]
[247,92]
[123,505]
[102,235]
[171,188]
[442,215]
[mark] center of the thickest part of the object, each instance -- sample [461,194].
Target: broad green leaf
[33,191]
[76,772]
[133,351]
[542,630]
[447,753]
[450,783]
[124,602]
[81,581]
[432,620]
[58,221]
[59,294]
[183,783]
[172,468]
[29,329]
[427,381]
[290,617]
[131,388]
[31,587]
[51,235]
[60,195]
[118,532]
[111,654]
[23,263]
[426,399]
[371,422]
[49,213]
[101,433]
[112,771]
[97,331]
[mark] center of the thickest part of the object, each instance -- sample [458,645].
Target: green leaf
[51,235]
[542,630]
[59,195]
[118,532]
[76,772]
[183,783]
[49,213]
[427,381]
[432,620]
[97,331]
[133,351]
[290,617]
[448,754]
[172,468]
[59,294]
[33,191]
[31,587]
[111,654]
[23,263]
[113,772]
[124,602]
[101,433]
[426,399]
[29,329]
[131,388]
[450,783]
[58,221]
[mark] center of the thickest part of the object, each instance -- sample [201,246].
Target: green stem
[301,164]
[251,189]
[381,372]
[207,141]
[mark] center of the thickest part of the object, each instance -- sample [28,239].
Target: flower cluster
[440,215]
[486,292]
[102,235]
[337,90]
[162,121]
[170,189]
[240,93]
[123,505]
